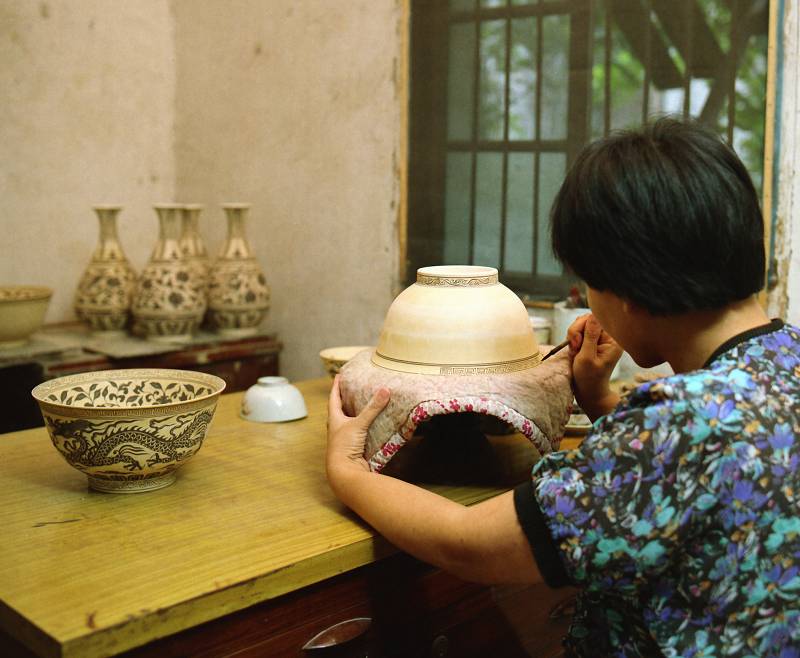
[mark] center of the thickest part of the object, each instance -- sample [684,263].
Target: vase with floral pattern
[238,295]
[170,300]
[192,246]
[106,288]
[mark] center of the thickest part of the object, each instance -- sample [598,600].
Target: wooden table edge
[156,624]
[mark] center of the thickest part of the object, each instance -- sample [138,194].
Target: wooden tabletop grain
[250,517]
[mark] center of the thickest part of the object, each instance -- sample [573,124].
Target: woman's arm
[482,543]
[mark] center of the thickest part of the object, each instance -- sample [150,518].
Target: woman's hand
[594,354]
[347,435]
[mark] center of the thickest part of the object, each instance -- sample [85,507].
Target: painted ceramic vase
[192,246]
[238,295]
[129,430]
[105,291]
[170,301]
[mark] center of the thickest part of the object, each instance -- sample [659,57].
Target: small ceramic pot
[22,310]
[563,317]
[542,328]
[333,358]
[273,400]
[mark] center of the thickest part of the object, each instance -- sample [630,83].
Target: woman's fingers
[376,404]
[575,333]
[335,413]
[591,334]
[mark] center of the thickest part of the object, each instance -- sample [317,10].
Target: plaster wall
[86,116]
[296,107]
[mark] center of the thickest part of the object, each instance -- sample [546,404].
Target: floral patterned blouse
[679,515]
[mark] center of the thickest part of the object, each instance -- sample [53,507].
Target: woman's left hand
[347,436]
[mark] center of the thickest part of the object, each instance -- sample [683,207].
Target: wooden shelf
[69,349]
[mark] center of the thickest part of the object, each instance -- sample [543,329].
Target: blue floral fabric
[679,515]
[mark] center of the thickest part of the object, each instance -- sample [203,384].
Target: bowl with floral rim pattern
[22,311]
[129,430]
[333,358]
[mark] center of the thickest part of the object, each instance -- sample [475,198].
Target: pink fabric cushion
[536,401]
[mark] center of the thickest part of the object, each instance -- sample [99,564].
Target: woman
[679,515]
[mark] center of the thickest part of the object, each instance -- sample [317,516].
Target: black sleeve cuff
[535,527]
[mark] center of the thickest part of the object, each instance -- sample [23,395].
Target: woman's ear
[632,309]
[635,311]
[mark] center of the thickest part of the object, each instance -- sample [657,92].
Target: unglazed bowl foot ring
[132,486]
[242,332]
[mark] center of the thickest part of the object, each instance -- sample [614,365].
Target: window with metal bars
[505,93]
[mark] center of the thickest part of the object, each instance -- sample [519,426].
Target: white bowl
[457,320]
[273,400]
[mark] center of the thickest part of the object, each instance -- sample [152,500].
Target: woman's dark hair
[665,216]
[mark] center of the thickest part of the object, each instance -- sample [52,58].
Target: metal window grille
[505,93]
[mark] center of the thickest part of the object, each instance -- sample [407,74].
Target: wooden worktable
[250,518]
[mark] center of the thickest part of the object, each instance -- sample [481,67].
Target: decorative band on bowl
[414,367]
[24,293]
[457,276]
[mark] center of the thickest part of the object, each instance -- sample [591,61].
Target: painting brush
[557,348]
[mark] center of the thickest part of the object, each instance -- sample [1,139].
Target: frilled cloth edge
[536,402]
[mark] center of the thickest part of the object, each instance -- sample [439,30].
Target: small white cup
[562,318]
[541,329]
[273,400]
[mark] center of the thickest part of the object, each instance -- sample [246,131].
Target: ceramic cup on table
[273,400]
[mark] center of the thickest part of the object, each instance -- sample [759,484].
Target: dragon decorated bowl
[129,430]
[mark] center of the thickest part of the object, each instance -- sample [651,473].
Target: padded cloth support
[536,401]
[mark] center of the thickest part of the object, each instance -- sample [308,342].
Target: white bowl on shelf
[273,400]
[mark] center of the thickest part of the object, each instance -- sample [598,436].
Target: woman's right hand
[594,354]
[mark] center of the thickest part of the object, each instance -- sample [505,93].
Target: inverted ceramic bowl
[22,310]
[129,430]
[457,320]
[273,400]
[333,358]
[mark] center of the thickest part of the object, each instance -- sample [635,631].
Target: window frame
[421,216]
